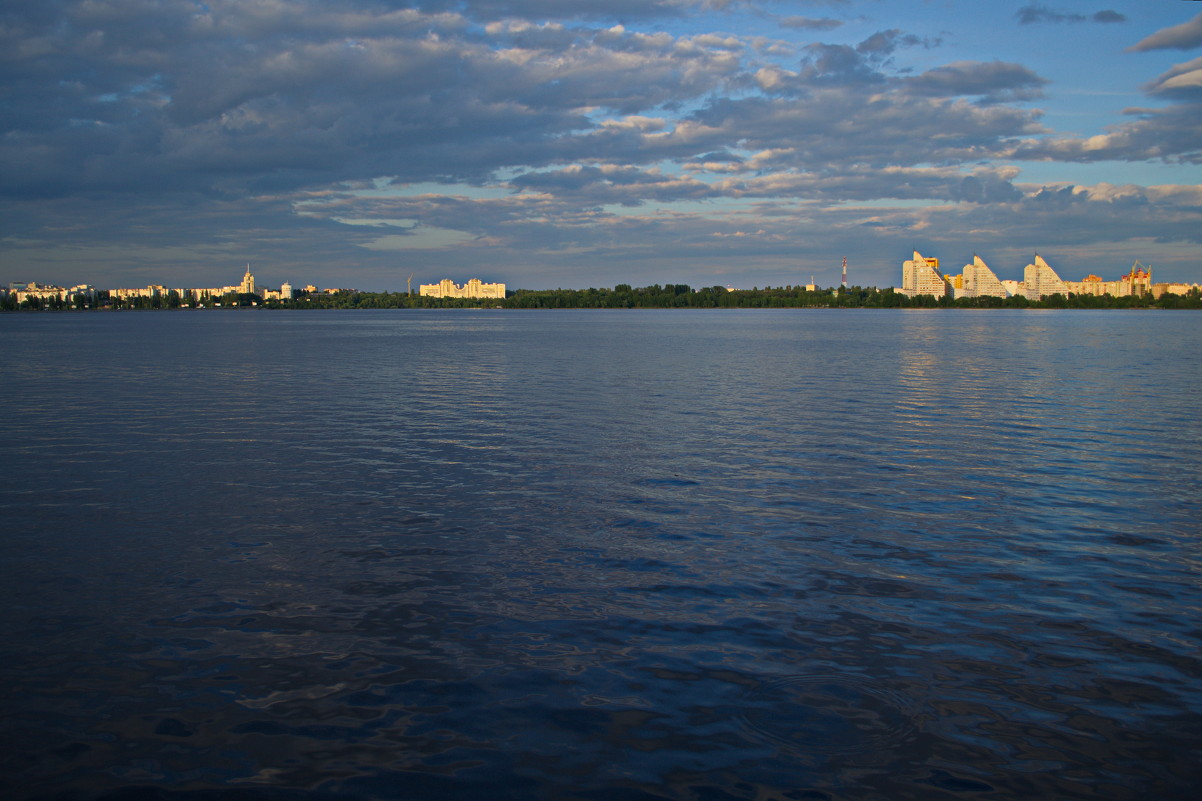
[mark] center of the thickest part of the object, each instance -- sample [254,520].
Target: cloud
[568,9]
[1167,134]
[809,23]
[130,96]
[1088,224]
[612,184]
[885,43]
[1182,81]
[845,65]
[1185,36]
[987,187]
[994,81]
[811,122]
[1035,14]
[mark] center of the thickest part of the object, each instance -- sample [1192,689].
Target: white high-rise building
[921,276]
[1039,279]
[979,281]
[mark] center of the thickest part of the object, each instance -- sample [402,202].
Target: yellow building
[1136,282]
[1173,289]
[446,288]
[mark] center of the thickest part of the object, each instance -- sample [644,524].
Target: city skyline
[689,141]
[932,278]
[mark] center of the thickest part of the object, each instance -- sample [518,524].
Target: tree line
[682,296]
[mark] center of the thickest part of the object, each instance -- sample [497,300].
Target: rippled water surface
[601,555]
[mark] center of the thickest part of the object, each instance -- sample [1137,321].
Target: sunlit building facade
[1139,280]
[247,287]
[200,295]
[1040,279]
[921,276]
[1092,285]
[81,294]
[446,288]
[978,281]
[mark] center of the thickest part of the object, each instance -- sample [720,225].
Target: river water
[820,554]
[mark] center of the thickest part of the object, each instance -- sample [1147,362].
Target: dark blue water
[601,555]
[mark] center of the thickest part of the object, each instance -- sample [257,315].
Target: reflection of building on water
[921,276]
[446,288]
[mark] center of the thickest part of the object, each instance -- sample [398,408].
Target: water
[601,555]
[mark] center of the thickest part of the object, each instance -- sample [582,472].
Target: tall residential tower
[921,276]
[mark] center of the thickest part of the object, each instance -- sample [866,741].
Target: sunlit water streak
[920,554]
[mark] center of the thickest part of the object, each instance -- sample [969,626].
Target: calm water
[601,555]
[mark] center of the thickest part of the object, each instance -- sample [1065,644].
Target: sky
[588,143]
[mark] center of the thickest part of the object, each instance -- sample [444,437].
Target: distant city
[922,276]
[86,295]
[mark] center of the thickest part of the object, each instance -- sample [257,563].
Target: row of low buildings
[248,286]
[922,276]
[88,295]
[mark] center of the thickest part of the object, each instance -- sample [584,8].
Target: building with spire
[247,287]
